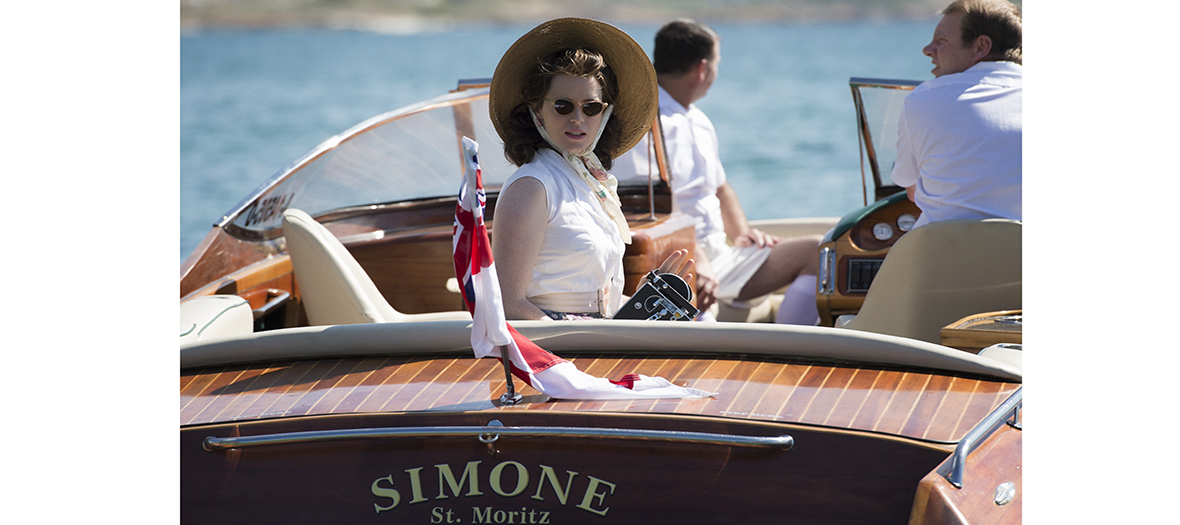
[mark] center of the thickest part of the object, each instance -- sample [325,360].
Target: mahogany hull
[864,437]
[827,477]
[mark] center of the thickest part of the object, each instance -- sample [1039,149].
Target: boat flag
[490,331]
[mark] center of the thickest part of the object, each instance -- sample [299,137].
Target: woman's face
[573,132]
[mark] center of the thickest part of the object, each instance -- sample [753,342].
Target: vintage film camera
[665,296]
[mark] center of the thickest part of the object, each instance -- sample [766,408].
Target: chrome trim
[212,443]
[1005,493]
[827,267]
[883,82]
[975,437]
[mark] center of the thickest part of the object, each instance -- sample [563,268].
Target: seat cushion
[213,316]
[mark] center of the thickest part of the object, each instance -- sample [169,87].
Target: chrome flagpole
[511,397]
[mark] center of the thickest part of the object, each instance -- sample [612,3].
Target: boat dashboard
[852,252]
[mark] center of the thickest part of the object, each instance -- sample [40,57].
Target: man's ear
[981,48]
[702,69]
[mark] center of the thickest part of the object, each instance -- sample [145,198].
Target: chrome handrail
[212,443]
[975,437]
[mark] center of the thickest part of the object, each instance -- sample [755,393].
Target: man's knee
[800,252]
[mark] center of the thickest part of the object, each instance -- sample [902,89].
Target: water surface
[253,101]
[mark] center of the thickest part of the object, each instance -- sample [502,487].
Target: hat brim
[637,103]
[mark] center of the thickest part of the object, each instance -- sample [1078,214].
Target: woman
[567,99]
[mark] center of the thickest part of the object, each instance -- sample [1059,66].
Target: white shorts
[734,267]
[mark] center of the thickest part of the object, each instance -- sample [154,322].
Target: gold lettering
[591,493]
[547,472]
[522,479]
[472,470]
[486,517]
[415,485]
[382,492]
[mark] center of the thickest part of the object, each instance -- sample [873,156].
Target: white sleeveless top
[579,268]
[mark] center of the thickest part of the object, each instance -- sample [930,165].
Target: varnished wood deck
[913,404]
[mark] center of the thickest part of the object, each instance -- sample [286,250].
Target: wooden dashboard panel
[858,252]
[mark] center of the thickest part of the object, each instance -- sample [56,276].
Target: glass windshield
[879,104]
[407,154]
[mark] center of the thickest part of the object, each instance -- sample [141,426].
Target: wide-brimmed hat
[635,107]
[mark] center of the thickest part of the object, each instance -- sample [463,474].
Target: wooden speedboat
[328,376]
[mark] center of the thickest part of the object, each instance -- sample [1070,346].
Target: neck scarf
[585,161]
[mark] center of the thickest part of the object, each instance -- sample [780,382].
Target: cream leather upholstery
[335,288]
[1005,353]
[942,272]
[212,316]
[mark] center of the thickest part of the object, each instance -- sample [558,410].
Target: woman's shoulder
[541,168]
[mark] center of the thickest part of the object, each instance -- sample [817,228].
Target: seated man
[959,137]
[686,60]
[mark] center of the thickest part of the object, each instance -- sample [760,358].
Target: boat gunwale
[771,428]
[439,338]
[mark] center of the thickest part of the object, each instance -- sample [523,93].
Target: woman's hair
[523,140]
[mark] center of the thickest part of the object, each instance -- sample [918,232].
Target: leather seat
[214,316]
[941,272]
[335,288]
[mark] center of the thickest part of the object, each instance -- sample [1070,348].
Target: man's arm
[736,227]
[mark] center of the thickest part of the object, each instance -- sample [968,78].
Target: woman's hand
[678,263]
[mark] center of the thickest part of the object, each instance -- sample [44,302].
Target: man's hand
[755,237]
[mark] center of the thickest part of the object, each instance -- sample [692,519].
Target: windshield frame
[878,108]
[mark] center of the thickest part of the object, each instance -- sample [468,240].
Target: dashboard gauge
[905,222]
[882,231]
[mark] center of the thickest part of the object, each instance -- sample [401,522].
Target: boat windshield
[409,154]
[878,108]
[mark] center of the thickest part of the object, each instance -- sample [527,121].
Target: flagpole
[511,397]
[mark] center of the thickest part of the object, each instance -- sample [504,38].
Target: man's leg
[789,259]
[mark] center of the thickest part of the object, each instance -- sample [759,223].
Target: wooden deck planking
[909,403]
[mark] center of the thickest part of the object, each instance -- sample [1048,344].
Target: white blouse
[579,268]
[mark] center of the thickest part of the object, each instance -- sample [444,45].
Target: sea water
[251,102]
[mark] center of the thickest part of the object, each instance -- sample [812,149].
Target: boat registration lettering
[507,479]
[266,211]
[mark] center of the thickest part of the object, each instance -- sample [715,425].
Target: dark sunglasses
[590,109]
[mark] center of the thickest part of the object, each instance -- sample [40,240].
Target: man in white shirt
[959,150]
[686,59]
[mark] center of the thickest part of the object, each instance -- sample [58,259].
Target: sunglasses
[590,109]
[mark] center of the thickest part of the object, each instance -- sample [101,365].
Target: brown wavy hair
[998,19]
[523,140]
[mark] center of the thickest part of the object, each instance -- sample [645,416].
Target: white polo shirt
[692,149]
[959,141]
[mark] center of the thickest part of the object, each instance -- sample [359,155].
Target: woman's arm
[522,212]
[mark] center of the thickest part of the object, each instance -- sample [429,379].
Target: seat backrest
[941,272]
[334,288]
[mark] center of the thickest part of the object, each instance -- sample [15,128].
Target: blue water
[253,101]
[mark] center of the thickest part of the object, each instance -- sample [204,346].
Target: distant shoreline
[196,15]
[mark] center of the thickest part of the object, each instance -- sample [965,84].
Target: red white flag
[542,370]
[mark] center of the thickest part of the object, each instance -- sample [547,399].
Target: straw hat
[637,104]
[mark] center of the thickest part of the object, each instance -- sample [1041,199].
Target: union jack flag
[537,367]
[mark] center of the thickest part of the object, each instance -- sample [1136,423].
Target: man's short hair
[681,44]
[998,19]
